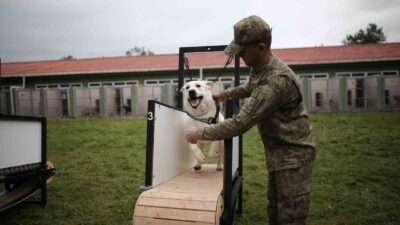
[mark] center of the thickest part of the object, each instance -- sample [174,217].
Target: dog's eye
[187,87]
[198,85]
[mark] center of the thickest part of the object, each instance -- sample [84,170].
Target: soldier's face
[251,54]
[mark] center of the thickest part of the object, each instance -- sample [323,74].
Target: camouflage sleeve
[264,100]
[242,91]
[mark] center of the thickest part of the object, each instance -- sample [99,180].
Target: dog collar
[209,120]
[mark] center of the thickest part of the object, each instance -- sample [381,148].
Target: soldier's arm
[264,101]
[241,91]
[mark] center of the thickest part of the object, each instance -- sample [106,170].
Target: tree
[68,57]
[372,34]
[138,51]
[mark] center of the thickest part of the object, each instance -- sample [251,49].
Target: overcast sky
[51,29]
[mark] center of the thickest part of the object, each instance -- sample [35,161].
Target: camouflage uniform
[276,105]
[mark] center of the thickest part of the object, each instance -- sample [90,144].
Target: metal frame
[215,48]
[21,174]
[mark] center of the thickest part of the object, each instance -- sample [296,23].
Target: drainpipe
[201,73]
[12,94]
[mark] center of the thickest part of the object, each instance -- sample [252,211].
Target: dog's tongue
[195,102]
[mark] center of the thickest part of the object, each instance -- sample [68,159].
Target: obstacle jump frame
[174,192]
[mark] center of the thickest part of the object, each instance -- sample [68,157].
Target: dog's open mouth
[195,101]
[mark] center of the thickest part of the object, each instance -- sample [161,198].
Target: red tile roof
[292,56]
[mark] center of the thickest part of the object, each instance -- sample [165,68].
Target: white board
[171,154]
[20,143]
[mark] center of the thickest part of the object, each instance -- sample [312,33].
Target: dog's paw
[220,168]
[197,167]
[199,156]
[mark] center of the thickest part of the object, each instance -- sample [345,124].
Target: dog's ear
[183,88]
[210,84]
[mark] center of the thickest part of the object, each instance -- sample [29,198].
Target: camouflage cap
[251,29]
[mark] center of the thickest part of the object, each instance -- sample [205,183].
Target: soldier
[276,105]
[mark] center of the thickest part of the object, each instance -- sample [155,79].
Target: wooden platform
[193,197]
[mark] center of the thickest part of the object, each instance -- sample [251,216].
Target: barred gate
[27,102]
[392,93]
[5,102]
[87,102]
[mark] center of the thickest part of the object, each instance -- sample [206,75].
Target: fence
[320,95]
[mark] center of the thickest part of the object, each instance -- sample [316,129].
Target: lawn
[100,167]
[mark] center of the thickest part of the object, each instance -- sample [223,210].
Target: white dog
[203,111]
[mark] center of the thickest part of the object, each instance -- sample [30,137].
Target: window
[94,84]
[64,85]
[214,79]
[59,86]
[315,76]
[358,75]
[40,86]
[390,73]
[320,76]
[5,88]
[369,74]
[114,83]
[244,79]
[343,75]
[164,81]
[150,82]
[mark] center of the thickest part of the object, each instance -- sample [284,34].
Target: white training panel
[20,143]
[171,155]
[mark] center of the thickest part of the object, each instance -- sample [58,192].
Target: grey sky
[51,29]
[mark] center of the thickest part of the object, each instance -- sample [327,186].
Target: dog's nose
[192,93]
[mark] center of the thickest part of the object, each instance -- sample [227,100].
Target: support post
[134,100]
[103,101]
[72,102]
[343,94]
[43,103]
[381,92]
[307,93]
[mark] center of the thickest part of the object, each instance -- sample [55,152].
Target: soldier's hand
[217,97]
[191,136]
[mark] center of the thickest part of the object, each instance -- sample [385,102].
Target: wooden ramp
[193,197]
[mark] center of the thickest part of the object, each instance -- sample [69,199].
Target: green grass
[100,167]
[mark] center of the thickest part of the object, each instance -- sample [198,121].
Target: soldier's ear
[209,84]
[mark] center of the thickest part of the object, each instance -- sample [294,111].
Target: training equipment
[24,168]
[175,193]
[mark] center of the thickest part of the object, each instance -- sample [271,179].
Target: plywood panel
[172,155]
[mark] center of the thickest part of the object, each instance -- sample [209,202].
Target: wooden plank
[219,210]
[206,181]
[178,204]
[152,221]
[180,195]
[200,188]
[175,214]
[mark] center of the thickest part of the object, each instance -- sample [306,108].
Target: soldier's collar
[266,66]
